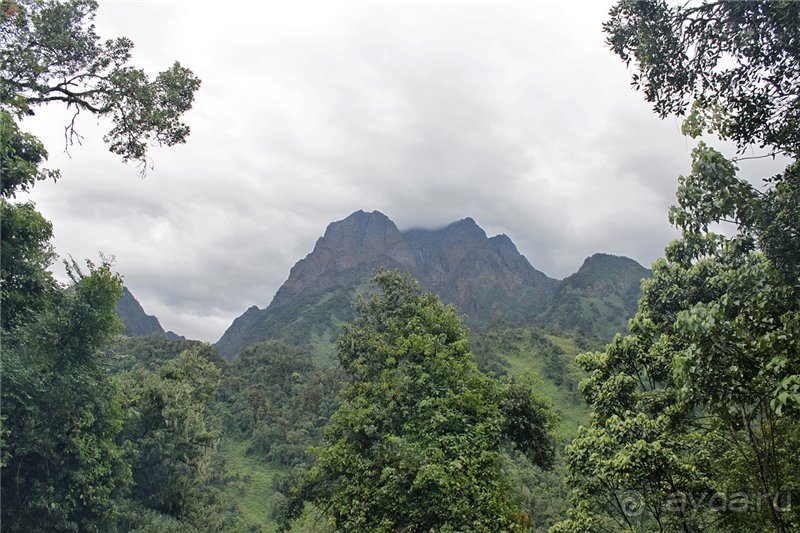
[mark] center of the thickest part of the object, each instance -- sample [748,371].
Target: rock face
[486,278]
[459,262]
[137,322]
[360,242]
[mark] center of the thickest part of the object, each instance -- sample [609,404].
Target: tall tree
[415,445]
[701,400]
[49,52]
[62,467]
[694,422]
[168,438]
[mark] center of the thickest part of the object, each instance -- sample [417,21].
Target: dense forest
[419,380]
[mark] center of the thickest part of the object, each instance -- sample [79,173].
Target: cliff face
[486,278]
[349,247]
[458,262]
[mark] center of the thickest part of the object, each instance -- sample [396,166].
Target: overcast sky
[512,113]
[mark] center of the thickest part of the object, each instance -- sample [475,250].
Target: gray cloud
[512,113]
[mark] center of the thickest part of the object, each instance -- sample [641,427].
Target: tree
[278,400]
[20,157]
[733,64]
[701,399]
[25,283]
[62,467]
[49,52]
[166,435]
[169,435]
[415,444]
[694,423]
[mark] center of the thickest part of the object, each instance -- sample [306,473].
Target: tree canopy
[50,53]
[415,444]
[67,464]
[694,414]
[701,399]
[734,65]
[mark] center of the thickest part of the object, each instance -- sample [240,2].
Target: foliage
[277,399]
[20,157]
[694,422]
[26,286]
[415,444]
[532,354]
[734,63]
[169,435]
[165,432]
[62,467]
[49,52]
[151,353]
[700,398]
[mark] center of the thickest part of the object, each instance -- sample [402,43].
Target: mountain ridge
[486,278]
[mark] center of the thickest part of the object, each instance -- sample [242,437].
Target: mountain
[137,322]
[598,300]
[486,278]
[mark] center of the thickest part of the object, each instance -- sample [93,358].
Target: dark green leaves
[20,157]
[734,63]
[416,443]
[696,400]
[49,52]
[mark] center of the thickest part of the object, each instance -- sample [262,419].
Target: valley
[280,377]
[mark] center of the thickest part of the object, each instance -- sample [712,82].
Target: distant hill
[137,322]
[599,299]
[486,278]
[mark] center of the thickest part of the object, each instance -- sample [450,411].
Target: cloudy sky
[513,113]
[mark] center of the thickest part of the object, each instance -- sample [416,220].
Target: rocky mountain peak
[465,228]
[361,233]
[361,240]
[502,242]
[487,279]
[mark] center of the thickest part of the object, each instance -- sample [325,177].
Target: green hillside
[283,390]
[597,301]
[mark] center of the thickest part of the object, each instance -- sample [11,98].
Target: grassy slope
[523,355]
[252,483]
[252,489]
[569,405]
